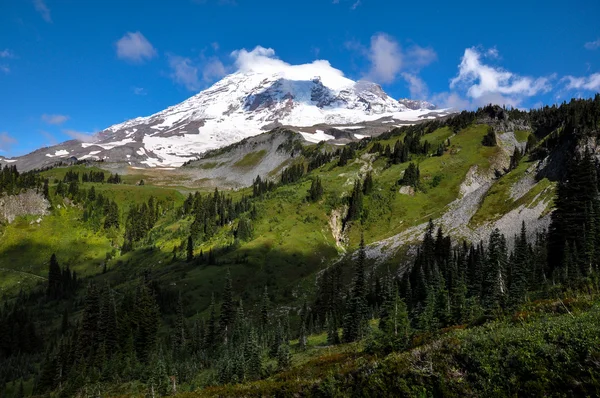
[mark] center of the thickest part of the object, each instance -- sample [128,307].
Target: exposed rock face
[416,104]
[23,204]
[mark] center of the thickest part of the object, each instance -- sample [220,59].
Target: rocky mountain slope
[241,105]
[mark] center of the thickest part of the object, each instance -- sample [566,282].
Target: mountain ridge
[239,106]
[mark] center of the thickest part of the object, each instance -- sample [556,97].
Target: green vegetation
[135,290]
[251,159]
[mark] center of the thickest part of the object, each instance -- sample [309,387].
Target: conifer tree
[368,183]
[190,249]
[494,282]
[55,281]
[315,192]
[333,336]
[520,270]
[227,309]
[254,358]
[211,331]
[284,357]
[179,339]
[355,319]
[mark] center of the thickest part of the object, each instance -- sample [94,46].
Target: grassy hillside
[273,262]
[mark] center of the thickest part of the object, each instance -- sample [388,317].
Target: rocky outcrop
[26,203]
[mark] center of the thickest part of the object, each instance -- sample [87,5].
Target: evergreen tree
[227,309]
[411,176]
[368,183]
[315,193]
[520,270]
[356,320]
[284,357]
[55,280]
[333,336]
[494,282]
[179,338]
[190,249]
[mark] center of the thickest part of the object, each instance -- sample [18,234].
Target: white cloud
[4,68]
[450,100]
[184,72]
[6,53]
[139,91]
[417,57]
[416,85]
[484,82]
[386,58]
[591,82]
[263,60]
[213,70]
[80,136]
[135,47]
[389,62]
[215,45]
[355,5]
[592,45]
[54,119]
[6,141]
[42,8]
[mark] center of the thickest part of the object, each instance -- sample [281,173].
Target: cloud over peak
[264,60]
[134,47]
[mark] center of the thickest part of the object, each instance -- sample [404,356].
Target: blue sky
[75,67]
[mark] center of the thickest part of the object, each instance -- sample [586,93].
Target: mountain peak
[240,105]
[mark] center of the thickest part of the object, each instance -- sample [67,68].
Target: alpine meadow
[289,229]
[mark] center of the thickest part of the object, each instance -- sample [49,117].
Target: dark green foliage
[227,309]
[190,249]
[346,154]
[411,176]
[315,193]
[368,183]
[111,209]
[355,203]
[93,176]
[284,357]
[490,138]
[114,179]
[140,220]
[356,316]
[61,282]
[515,159]
[292,174]
[244,230]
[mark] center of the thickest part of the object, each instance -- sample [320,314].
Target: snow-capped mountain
[240,105]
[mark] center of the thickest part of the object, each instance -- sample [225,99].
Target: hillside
[183,261]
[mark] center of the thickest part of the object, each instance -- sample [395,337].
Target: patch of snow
[317,137]
[60,152]
[348,127]
[360,136]
[108,145]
